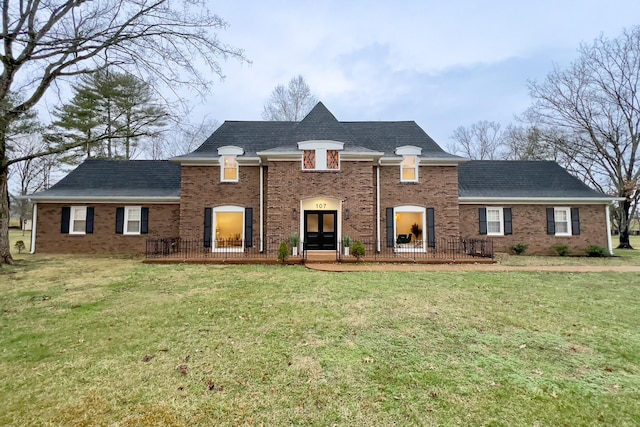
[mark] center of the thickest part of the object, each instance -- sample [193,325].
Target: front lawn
[106,341]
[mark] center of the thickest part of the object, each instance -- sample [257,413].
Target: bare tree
[525,143]
[45,43]
[590,113]
[181,139]
[289,103]
[480,141]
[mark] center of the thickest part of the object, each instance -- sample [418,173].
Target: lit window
[495,222]
[132,219]
[78,220]
[410,225]
[228,223]
[409,169]
[562,219]
[229,169]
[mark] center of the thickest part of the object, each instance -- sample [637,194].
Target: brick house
[253,183]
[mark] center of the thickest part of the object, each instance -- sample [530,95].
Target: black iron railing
[439,249]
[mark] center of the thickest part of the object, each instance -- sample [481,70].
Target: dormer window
[309,160]
[409,169]
[321,155]
[229,169]
[410,161]
[229,163]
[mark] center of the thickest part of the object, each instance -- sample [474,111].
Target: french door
[320,230]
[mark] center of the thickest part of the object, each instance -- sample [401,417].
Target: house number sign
[321,205]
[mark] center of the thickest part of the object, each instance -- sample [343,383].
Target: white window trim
[501,218]
[568,215]
[222,168]
[125,228]
[411,209]
[72,219]
[214,227]
[402,167]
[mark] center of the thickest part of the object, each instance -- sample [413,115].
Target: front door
[320,230]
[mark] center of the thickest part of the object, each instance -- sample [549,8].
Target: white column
[609,230]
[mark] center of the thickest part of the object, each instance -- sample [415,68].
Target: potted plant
[416,230]
[346,242]
[295,241]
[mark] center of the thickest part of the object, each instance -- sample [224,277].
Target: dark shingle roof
[519,179]
[319,124]
[118,178]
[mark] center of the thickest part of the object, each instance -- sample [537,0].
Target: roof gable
[319,124]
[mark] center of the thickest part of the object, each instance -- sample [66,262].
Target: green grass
[106,341]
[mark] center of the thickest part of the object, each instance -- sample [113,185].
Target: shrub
[283,252]
[519,248]
[295,239]
[20,246]
[562,250]
[346,241]
[358,250]
[596,251]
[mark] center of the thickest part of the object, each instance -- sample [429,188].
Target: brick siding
[530,228]
[201,188]
[163,222]
[437,188]
[354,185]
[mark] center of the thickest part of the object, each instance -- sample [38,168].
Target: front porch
[443,251]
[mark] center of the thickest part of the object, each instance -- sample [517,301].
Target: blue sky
[442,64]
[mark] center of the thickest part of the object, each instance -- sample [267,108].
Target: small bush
[294,239]
[596,251]
[519,249]
[346,241]
[358,250]
[283,252]
[20,246]
[562,250]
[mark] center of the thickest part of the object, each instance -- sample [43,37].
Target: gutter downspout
[378,206]
[34,221]
[609,243]
[261,208]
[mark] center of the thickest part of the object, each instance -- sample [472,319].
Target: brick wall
[437,188]
[354,185]
[163,222]
[530,228]
[201,188]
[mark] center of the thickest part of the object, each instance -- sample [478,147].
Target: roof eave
[538,200]
[105,199]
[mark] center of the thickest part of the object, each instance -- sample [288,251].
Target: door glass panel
[312,223]
[328,223]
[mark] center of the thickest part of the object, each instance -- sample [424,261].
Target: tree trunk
[5,246]
[625,209]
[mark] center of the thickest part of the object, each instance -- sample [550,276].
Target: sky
[441,64]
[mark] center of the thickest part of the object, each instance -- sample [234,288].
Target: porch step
[321,256]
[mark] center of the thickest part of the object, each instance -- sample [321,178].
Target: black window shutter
[207,227]
[431,227]
[66,217]
[89,220]
[551,221]
[119,220]
[248,227]
[508,223]
[144,221]
[575,221]
[391,239]
[482,215]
